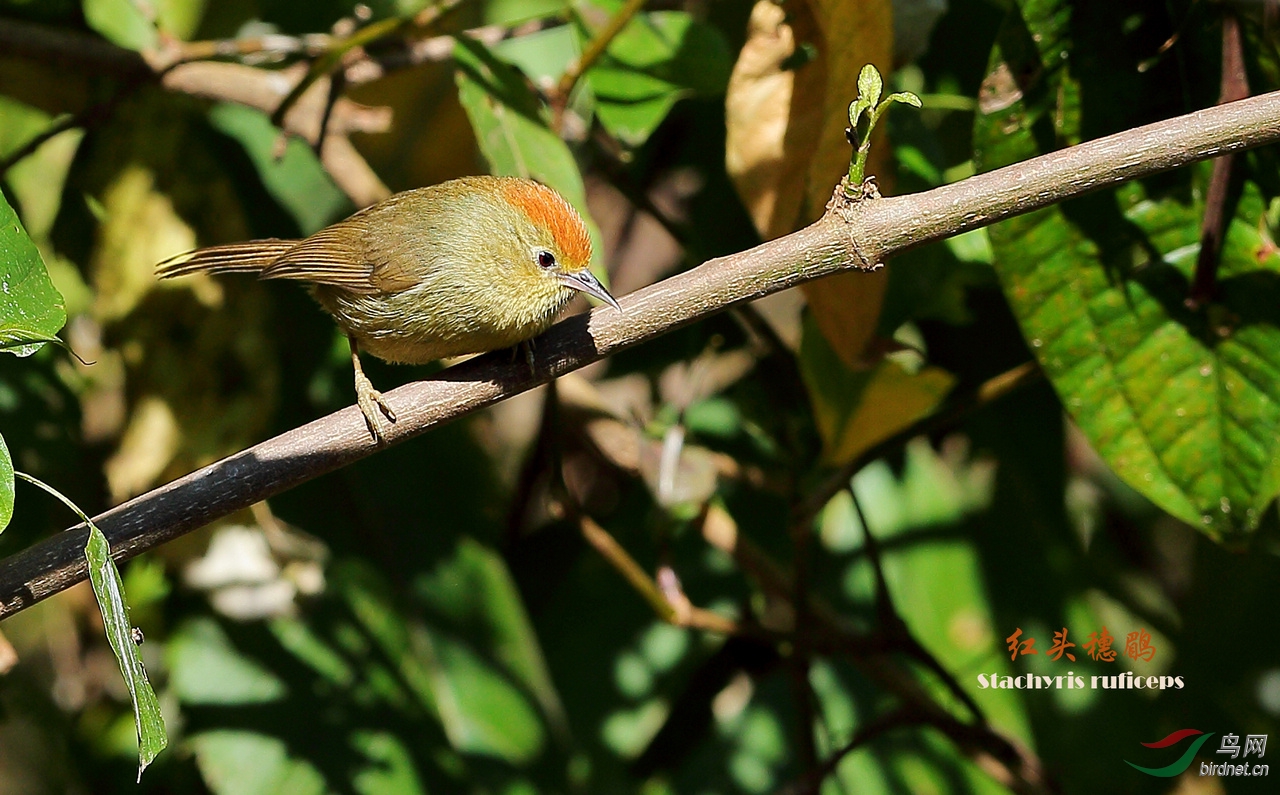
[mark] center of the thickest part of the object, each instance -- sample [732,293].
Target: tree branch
[262,89]
[848,236]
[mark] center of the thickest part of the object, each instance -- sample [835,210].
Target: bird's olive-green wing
[371,252]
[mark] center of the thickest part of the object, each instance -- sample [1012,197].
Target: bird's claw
[374,407]
[527,348]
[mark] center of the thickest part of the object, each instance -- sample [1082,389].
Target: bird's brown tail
[251,257]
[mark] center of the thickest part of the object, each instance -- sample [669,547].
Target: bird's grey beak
[585,281]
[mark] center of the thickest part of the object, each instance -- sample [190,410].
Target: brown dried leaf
[785,144]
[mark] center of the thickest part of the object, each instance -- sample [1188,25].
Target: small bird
[470,265]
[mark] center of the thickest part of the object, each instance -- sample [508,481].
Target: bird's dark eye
[546,259]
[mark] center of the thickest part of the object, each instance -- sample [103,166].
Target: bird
[465,266]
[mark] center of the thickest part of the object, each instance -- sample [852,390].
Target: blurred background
[838,505]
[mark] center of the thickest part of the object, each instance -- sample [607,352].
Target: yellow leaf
[855,410]
[891,400]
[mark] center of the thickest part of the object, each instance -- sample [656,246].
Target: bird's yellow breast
[442,318]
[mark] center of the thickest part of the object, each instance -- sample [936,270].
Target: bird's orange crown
[549,210]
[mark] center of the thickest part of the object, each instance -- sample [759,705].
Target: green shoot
[869,105]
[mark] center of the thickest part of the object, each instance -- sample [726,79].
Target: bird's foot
[527,348]
[374,407]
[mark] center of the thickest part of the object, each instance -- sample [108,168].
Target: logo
[1254,744]
[1183,762]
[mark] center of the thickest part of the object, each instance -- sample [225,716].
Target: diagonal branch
[846,236]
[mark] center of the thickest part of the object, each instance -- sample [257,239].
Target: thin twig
[230,82]
[885,611]
[1213,229]
[1016,767]
[560,96]
[680,615]
[842,239]
[798,663]
[332,59]
[86,117]
[273,47]
[896,628]
[337,82]
[596,48]
[811,782]
[63,48]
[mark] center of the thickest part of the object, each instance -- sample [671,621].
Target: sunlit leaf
[1183,403]
[6,485]
[296,179]
[208,669]
[906,98]
[31,310]
[482,712]
[656,59]
[869,87]
[122,22]
[543,55]
[475,588]
[108,589]
[510,129]
[238,762]
[511,12]
[391,769]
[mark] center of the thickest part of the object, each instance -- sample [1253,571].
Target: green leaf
[475,590]
[674,47]
[180,18]
[296,179]
[856,108]
[510,129]
[31,310]
[121,22]
[108,589]
[508,13]
[6,485]
[1183,404]
[237,762]
[513,134]
[905,97]
[657,59]
[481,711]
[869,87]
[625,85]
[543,55]
[633,122]
[391,769]
[208,669]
